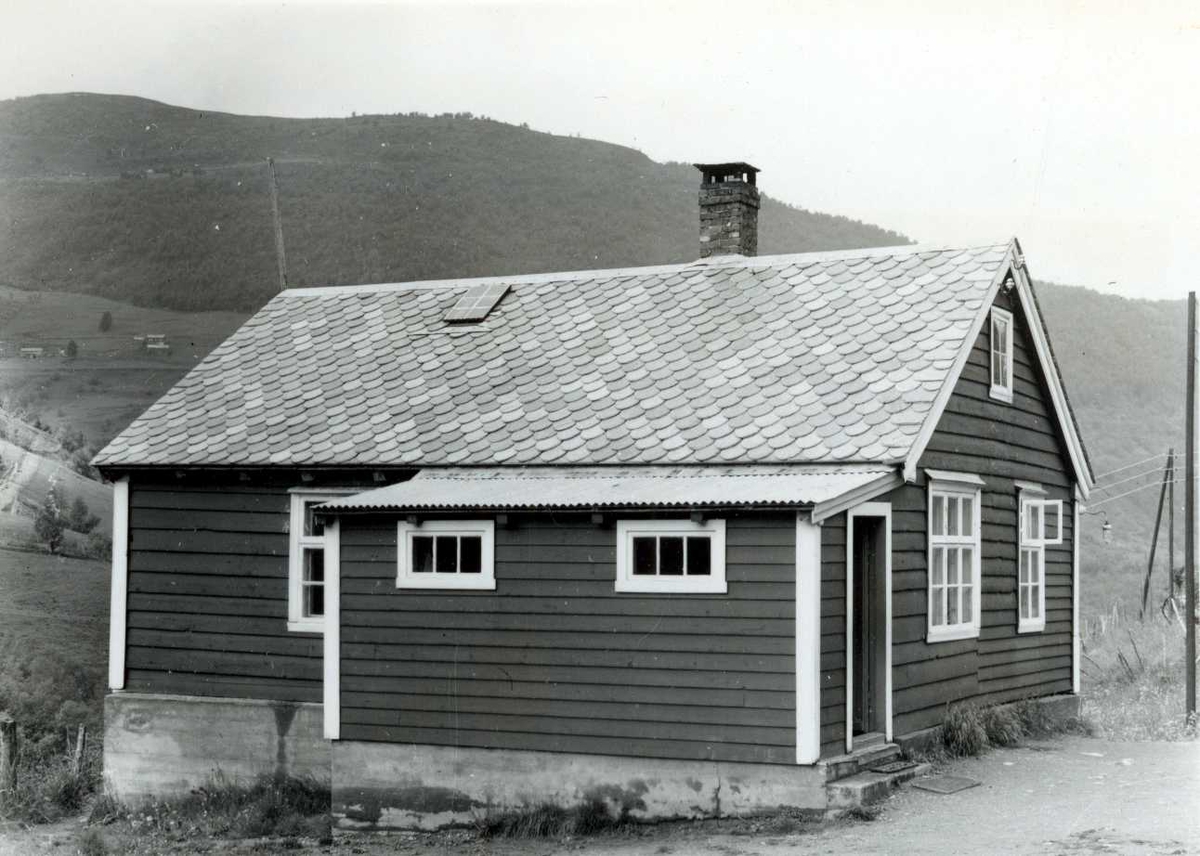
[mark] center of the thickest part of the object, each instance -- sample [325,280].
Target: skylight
[477,302]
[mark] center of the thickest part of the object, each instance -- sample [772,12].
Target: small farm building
[693,539]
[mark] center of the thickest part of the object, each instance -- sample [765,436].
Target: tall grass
[49,787]
[1133,675]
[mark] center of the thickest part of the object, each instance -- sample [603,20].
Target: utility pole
[1171,525]
[1189,492]
[279,257]
[1162,500]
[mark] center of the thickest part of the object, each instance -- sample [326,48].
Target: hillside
[165,206]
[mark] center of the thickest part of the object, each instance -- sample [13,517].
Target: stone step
[868,787]
[841,766]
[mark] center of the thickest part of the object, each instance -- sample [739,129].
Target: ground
[1073,795]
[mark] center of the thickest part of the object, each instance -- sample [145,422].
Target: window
[1040,524]
[306,561]
[671,556]
[954,561]
[1002,354]
[446,554]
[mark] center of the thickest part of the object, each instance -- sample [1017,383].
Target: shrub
[91,843]
[963,730]
[550,821]
[1003,726]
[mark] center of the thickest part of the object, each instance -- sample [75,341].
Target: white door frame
[881,510]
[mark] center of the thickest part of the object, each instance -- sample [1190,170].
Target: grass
[1133,676]
[971,729]
[49,788]
[590,817]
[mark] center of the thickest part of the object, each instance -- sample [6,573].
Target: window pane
[699,557]
[952,516]
[446,554]
[966,565]
[422,554]
[952,567]
[314,600]
[1024,601]
[312,524]
[1033,601]
[968,605]
[314,565]
[952,605]
[644,560]
[670,556]
[1024,573]
[472,555]
[1051,522]
[938,615]
[997,368]
[968,515]
[939,565]
[938,526]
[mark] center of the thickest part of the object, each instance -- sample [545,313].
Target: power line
[1128,466]
[1135,490]
[1142,475]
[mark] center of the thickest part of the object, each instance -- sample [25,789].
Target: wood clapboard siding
[555,659]
[1001,443]
[207,602]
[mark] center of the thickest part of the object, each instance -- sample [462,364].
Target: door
[869,621]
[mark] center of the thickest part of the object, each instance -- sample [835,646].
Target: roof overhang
[824,489]
[1014,266]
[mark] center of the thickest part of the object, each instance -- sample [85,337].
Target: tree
[72,350]
[106,321]
[48,525]
[80,520]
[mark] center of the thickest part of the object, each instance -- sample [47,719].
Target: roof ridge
[710,263]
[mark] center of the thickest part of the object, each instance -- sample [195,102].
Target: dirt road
[1072,796]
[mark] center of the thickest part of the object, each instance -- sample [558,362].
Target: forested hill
[166,206]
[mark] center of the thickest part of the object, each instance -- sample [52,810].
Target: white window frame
[955,486]
[297,542]
[1001,390]
[485,580]
[1029,498]
[713,583]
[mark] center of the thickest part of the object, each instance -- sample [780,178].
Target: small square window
[671,556]
[446,554]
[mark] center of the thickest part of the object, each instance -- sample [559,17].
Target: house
[32,352]
[694,539]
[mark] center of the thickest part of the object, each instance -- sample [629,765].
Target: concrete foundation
[391,786]
[161,745]
[1058,708]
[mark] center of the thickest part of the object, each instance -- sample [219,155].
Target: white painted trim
[999,391]
[1083,473]
[1020,272]
[942,633]
[117,615]
[1076,637]
[959,478]
[869,509]
[822,511]
[298,623]
[943,397]
[485,580]
[808,640]
[333,630]
[1028,486]
[626,581]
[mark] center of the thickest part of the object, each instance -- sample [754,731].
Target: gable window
[306,561]
[446,554]
[1040,525]
[954,560]
[1002,354]
[671,556]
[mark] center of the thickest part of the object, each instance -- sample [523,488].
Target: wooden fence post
[8,752]
[80,742]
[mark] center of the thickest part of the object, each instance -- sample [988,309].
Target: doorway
[868,626]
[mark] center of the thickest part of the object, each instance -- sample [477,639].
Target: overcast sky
[1075,126]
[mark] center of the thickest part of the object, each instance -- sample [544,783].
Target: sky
[1074,126]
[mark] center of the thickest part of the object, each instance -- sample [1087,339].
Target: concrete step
[868,787]
[842,766]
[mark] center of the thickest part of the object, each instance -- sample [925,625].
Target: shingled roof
[813,358]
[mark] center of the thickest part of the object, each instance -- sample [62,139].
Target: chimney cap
[719,173]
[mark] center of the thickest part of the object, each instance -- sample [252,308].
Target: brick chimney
[728,209]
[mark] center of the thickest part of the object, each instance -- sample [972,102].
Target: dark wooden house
[692,539]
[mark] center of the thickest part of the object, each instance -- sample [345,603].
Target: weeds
[49,787]
[551,821]
[862,812]
[970,730]
[91,843]
[963,730]
[1004,726]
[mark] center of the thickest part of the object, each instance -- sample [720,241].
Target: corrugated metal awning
[513,488]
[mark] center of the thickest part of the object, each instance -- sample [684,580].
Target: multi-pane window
[954,561]
[671,556]
[306,561]
[1040,525]
[1002,354]
[446,554]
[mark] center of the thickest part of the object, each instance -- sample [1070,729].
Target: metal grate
[477,302]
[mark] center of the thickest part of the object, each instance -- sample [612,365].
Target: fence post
[80,744]
[8,752]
